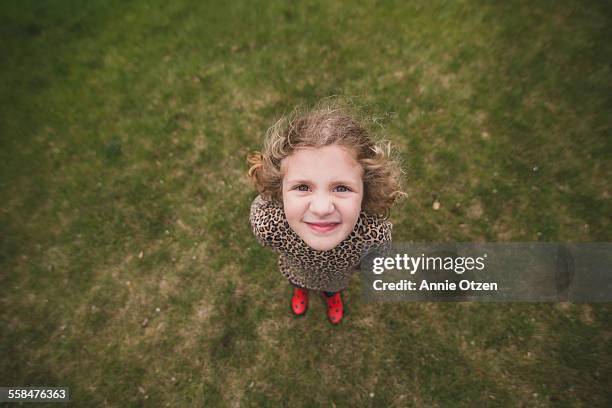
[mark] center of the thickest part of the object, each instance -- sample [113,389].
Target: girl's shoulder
[261,207]
[375,233]
[267,219]
[374,229]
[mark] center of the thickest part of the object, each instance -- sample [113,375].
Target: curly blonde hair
[329,124]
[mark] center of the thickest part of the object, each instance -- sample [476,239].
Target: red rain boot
[299,301]
[335,310]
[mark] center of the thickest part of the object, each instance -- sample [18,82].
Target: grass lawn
[128,271]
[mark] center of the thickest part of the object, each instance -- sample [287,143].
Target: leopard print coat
[318,270]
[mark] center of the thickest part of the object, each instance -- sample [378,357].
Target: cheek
[293,208]
[352,209]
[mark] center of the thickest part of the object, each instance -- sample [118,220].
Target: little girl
[326,191]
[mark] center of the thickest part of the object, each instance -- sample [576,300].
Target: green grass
[124,128]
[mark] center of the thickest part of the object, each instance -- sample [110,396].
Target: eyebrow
[304,181]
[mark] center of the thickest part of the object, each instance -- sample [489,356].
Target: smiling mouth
[323,226]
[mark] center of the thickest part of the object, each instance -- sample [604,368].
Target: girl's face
[322,194]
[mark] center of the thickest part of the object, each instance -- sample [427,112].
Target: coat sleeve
[261,218]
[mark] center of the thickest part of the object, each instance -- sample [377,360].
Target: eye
[301,187]
[343,189]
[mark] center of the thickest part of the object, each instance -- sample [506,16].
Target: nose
[321,205]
